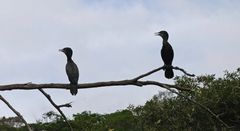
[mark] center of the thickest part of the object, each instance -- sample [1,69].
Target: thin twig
[65,105]
[178,68]
[145,83]
[16,112]
[163,68]
[56,106]
[149,73]
[199,104]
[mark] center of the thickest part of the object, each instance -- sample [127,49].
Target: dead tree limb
[16,112]
[135,81]
[162,68]
[56,106]
[178,68]
[65,105]
[31,86]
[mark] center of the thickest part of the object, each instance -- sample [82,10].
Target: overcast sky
[111,40]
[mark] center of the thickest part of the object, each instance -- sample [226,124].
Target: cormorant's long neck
[69,59]
[165,42]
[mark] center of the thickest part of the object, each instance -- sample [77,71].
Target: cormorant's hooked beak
[158,34]
[61,50]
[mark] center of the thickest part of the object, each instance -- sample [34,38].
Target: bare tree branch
[31,86]
[178,68]
[162,68]
[135,81]
[16,112]
[149,73]
[56,106]
[145,83]
[65,105]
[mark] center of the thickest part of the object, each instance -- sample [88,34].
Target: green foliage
[7,128]
[221,95]
[88,121]
[165,111]
[121,119]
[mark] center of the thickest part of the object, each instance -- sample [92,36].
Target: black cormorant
[167,54]
[71,70]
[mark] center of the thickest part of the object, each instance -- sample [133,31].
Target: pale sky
[111,40]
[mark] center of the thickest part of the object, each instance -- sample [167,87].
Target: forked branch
[135,81]
[162,68]
[56,106]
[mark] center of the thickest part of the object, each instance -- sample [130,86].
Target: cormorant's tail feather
[169,73]
[73,89]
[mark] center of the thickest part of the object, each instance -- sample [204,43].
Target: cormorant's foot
[164,67]
[167,66]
